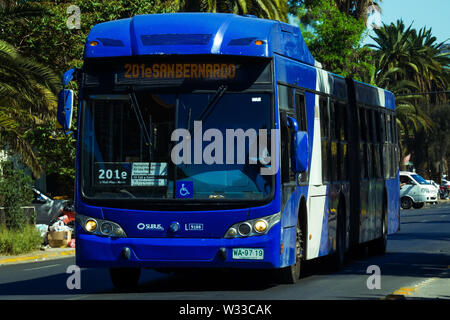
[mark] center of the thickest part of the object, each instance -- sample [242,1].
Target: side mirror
[65,108]
[68,76]
[299,150]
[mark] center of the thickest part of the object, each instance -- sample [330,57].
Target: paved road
[417,256]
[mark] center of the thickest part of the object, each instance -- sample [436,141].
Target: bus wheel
[125,278]
[291,274]
[406,203]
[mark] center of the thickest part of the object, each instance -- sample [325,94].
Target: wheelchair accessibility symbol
[185,189]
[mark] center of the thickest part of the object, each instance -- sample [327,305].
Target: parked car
[49,209]
[435,185]
[415,191]
[444,189]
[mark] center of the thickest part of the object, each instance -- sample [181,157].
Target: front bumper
[98,251]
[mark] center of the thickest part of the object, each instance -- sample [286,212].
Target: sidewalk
[38,255]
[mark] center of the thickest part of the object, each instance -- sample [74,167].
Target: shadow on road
[96,281]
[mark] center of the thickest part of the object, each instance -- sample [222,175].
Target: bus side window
[285,98]
[285,149]
[333,142]
[378,143]
[324,130]
[301,112]
[341,120]
[300,106]
[389,148]
[363,141]
[397,151]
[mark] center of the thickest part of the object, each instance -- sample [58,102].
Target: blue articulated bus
[217,140]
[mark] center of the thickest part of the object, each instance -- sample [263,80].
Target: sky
[429,13]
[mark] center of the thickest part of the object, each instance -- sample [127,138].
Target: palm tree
[268,9]
[16,10]
[415,53]
[359,9]
[28,93]
[409,62]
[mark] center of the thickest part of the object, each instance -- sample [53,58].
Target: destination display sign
[182,71]
[133,174]
[164,71]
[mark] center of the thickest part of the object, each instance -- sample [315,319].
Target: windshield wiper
[212,103]
[137,111]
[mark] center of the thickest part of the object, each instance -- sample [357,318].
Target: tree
[358,9]
[15,192]
[416,54]
[408,62]
[27,97]
[269,9]
[334,38]
[15,10]
[55,152]
[64,48]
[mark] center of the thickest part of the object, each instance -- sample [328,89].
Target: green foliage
[14,242]
[268,9]
[15,192]
[64,48]
[334,39]
[407,62]
[27,97]
[407,54]
[56,152]
[61,48]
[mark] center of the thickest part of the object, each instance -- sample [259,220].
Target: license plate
[248,253]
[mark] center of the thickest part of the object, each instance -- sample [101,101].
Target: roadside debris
[59,234]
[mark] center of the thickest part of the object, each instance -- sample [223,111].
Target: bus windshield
[130,147]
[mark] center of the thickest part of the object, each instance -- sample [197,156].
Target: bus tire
[125,278]
[291,274]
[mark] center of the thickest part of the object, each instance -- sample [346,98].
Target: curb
[49,254]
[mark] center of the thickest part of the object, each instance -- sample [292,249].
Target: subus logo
[150,226]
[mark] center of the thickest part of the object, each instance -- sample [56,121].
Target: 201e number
[110,174]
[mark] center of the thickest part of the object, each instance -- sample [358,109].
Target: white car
[415,191]
[434,184]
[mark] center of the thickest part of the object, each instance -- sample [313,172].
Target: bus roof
[196,33]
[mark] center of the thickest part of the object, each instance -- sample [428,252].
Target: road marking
[409,291]
[36,257]
[44,267]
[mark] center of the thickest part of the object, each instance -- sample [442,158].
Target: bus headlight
[254,227]
[260,226]
[100,227]
[90,225]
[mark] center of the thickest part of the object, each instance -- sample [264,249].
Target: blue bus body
[200,239]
